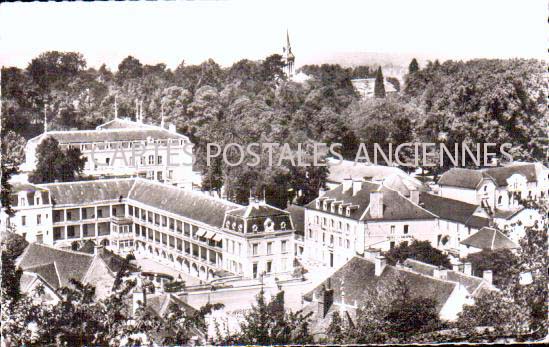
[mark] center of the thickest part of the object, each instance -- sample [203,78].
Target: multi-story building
[357,215]
[191,231]
[498,187]
[32,213]
[123,147]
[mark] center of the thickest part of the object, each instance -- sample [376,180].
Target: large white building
[204,236]
[498,187]
[357,215]
[122,147]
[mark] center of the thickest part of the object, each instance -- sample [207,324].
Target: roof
[471,283]
[109,135]
[82,192]
[298,218]
[501,174]
[507,213]
[468,178]
[453,210]
[257,210]
[190,204]
[113,261]
[123,123]
[160,304]
[395,205]
[462,178]
[44,259]
[358,276]
[31,190]
[489,238]
[341,170]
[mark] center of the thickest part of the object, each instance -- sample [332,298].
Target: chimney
[138,298]
[357,186]
[456,266]
[376,204]
[171,128]
[380,262]
[468,269]
[440,273]
[414,196]
[321,192]
[487,275]
[99,250]
[347,184]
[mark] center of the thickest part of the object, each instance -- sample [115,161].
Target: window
[159,160]
[406,229]
[170,174]
[332,223]
[107,161]
[23,220]
[348,243]
[392,229]
[38,200]
[269,248]
[499,200]
[331,239]
[38,219]
[22,202]
[255,249]
[348,211]
[283,246]
[269,266]
[151,159]
[339,226]
[159,175]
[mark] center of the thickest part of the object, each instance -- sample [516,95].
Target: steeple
[288,56]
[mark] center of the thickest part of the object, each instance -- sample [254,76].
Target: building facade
[347,220]
[123,147]
[204,236]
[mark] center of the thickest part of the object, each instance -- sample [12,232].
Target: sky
[227,31]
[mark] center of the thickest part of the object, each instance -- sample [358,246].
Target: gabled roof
[190,204]
[453,210]
[501,174]
[113,261]
[257,210]
[471,283]
[83,192]
[463,178]
[395,205]
[507,214]
[48,272]
[68,264]
[359,278]
[123,123]
[489,238]
[345,169]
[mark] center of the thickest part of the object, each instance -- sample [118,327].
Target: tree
[379,86]
[413,67]
[54,163]
[336,330]
[501,262]
[418,250]
[129,68]
[268,323]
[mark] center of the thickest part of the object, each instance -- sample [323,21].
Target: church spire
[288,57]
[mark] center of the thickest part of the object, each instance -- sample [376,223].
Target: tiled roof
[339,171]
[160,304]
[501,174]
[489,238]
[69,264]
[471,283]
[359,279]
[256,210]
[453,210]
[462,178]
[507,214]
[48,272]
[111,259]
[109,135]
[182,202]
[395,206]
[83,192]
[122,123]
[31,190]
[298,218]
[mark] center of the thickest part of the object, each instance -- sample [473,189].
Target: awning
[217,238]
[200,232]
[209,235]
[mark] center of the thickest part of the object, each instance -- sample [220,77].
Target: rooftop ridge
[89,181]
[60,250]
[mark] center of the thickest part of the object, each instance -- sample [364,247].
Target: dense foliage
[418,250]
[56,164]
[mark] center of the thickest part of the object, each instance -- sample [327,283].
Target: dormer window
[283,225]
[332,207]
[22,202]
[340,209]
[254,228]
[38,200]
[348,211]
[318,204]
